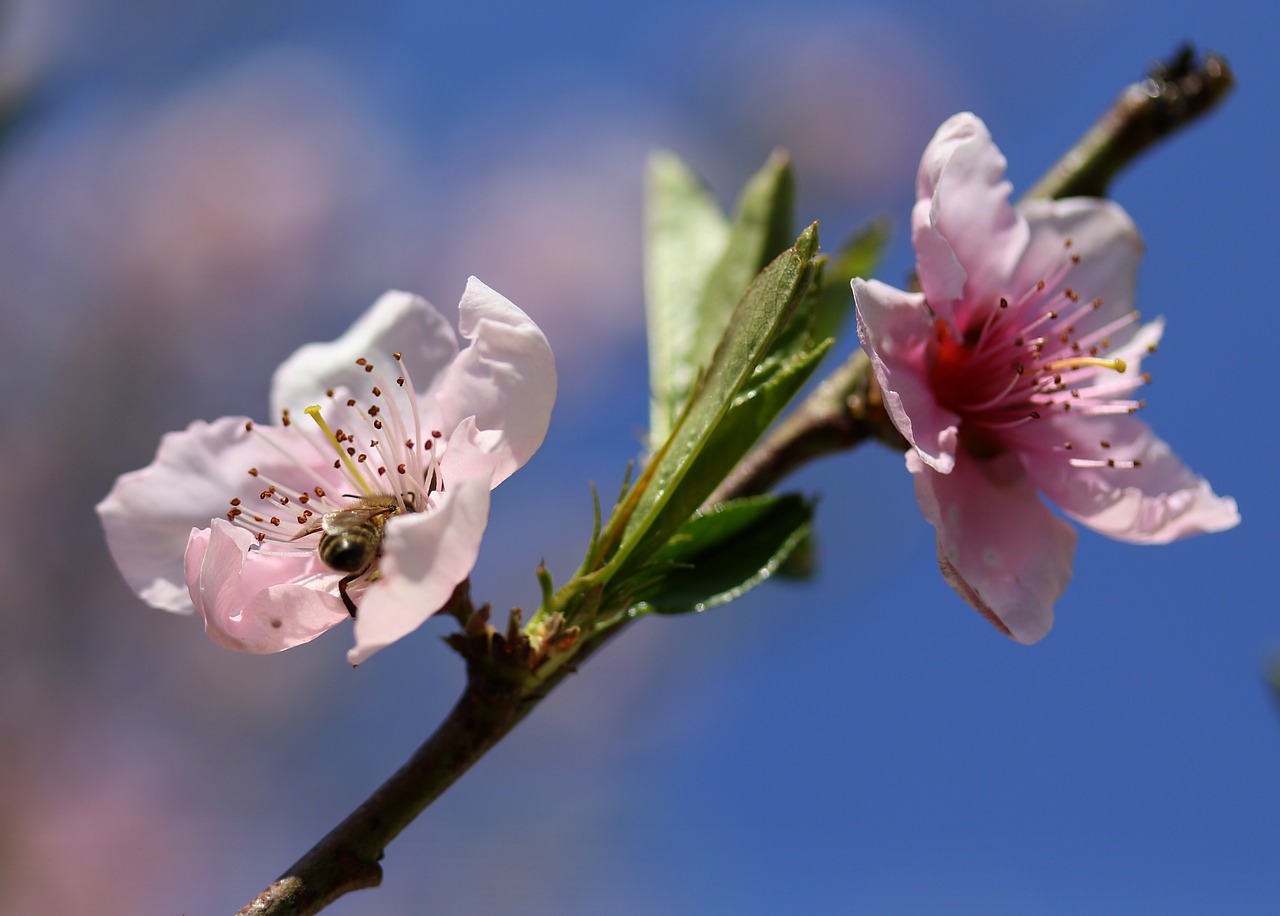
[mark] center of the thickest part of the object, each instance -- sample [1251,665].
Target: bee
[351,538]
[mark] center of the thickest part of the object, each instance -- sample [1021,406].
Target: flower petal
[966,234]
[149,513]
[999,546]
[895,329]
[506,378]
[1101,235]
[425,556]
[397,322]
[1158,502]
[254,602]
[473,453]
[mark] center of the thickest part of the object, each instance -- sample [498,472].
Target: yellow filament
[314,413]
[1075,362]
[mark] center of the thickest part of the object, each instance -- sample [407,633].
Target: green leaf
[720,555]
[689,467]
[697,267]
[686,236]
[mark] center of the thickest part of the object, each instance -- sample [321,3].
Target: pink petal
[473,453]
[397,322]
[967,236]
[1104,238]
[254,602]
[149,513]
[506,379]
[895,329]
[1161,501]
[425,556]
[999,546]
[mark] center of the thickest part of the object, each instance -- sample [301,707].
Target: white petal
[149,513]
[425,556]
[397,322]
[506,379]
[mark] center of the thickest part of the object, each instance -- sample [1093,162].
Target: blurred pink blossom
[421,433]
[1015,369]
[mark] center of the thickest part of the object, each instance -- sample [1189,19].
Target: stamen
[314,413]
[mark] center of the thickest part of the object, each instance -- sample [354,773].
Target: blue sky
[197,191]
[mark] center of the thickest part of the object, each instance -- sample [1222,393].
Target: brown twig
[1175,93]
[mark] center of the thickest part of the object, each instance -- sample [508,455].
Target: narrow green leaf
[685,238]
[667,502]
[718,556]
[691,294]
[750,415]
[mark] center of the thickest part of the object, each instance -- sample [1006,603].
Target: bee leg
[342,590]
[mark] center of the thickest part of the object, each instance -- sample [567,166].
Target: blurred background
[190,191]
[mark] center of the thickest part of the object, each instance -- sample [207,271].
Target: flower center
[345,480]
[1036,356]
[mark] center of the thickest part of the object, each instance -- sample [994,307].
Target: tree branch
[1174,94]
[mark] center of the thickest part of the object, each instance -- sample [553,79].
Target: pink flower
[372,492]
[1016,369]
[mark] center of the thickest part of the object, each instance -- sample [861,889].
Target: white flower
[371,492]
